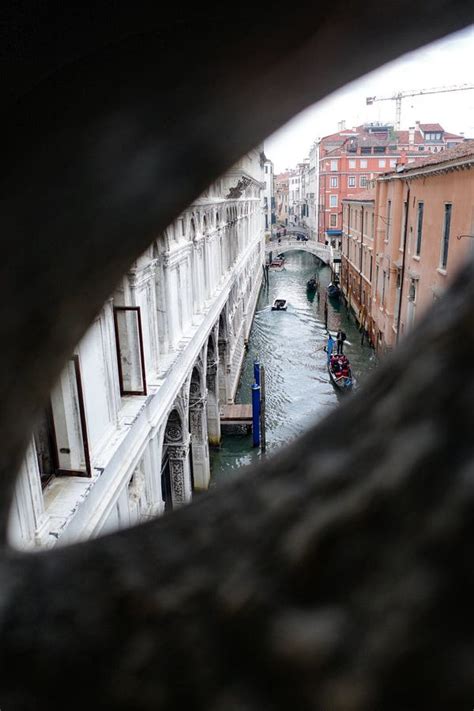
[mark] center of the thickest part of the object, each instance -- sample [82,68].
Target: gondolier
[340,338]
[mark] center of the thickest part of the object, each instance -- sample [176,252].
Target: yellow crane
[414,92]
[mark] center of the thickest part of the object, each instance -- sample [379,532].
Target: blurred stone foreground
[337,575]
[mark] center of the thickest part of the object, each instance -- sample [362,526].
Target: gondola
[339,369]
[279,305]
[312,285]
[333,290]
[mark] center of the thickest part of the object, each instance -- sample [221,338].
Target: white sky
[444,63]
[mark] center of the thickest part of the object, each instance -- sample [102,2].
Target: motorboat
[278,263]
[279,305]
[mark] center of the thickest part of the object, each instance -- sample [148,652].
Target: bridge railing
[284,245]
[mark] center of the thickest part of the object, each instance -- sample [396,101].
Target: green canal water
[290,345]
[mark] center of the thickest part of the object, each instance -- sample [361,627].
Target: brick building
[349,159]
[424,216]
[357,252]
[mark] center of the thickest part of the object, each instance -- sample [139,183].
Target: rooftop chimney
[341,126]
[401,161]
[411,135]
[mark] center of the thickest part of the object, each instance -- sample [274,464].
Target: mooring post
[256,371]
[326,313]
[262,409]
[255,415]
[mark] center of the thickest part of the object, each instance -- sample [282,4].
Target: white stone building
[268,196]
[313,192]
[126,435]
[297,188]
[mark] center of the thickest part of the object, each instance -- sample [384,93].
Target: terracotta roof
[431,127]
[452,135]
[462,150]
[404,137]
[340,135]
[368,194]
[375,139]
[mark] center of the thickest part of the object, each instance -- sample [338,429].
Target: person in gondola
[330,348]
[340,338]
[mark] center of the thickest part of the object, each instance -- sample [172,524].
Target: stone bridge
[292,245]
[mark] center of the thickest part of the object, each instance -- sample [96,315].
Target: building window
[351,181]
[371,265]
[266,169]
[412,291]
[333,201]
[446,230]
[352,163]
[372,223]
[389,211]
[402,231]
[334,165]
[363,181]
[393,162]
[382,163]
[130,354]
[419,228]
[421,148]
[384,276]
[334,182]
[379,149]
[61,440]
[333,220]
[363,163]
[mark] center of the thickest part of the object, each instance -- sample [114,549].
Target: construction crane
[414,92]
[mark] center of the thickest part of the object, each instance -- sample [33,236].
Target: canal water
[290,344]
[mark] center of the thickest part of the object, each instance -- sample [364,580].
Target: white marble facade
[131,419]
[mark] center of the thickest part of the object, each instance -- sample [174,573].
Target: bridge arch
[283,246]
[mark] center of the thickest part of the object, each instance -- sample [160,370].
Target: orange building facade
[357,253]
[424,217]
[351,158]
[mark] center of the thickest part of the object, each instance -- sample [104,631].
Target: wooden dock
[236,415]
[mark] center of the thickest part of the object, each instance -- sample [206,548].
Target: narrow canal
[290,345]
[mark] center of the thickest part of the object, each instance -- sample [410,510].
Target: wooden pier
[236,414]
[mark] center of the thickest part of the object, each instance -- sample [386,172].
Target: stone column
[161,310]
[180,474]
[143,294]
[224,370]
[171,306]
[206,269]
[197,295]
[213,414]
[199,444]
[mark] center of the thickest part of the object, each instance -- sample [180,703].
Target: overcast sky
[444,63]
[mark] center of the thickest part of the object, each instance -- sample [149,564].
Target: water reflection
[290,344]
